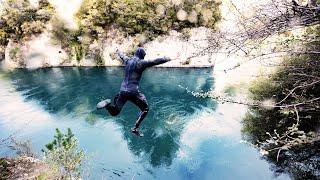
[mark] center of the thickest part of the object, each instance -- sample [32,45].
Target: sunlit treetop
[19,19]
[151,16]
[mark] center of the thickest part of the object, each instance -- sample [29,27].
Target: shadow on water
[74,92]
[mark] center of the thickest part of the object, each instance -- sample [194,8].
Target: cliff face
[173,45]
[87,33]
[41,51]
[38,52]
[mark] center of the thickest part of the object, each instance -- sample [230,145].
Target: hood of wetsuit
[140,53]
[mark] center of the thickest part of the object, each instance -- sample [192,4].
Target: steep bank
[89,32]
[23,167]
[40,51]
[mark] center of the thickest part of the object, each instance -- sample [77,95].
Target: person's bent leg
[113,110]
[119,101]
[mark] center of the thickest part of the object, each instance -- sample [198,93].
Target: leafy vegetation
[19,20]
[142,16]
[97,17]
[71,40]
[5,172]
[287,131]
[63,155]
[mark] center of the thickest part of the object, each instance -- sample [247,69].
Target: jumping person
[129,90]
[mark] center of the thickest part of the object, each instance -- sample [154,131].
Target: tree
[63,153]
[283,117]
[141,16]
[19,20]
[285,128]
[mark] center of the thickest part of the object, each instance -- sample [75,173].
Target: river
[185,137]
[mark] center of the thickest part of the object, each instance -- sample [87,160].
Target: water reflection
[74,93]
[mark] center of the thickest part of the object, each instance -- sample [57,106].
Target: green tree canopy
[20,20]
[152,16]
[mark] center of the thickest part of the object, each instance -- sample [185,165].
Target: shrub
[63,154]
[20,20]
[22,148]
[140,16]
[288,132]
[70,40]
[99,60]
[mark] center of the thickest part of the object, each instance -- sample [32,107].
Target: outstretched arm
[157,61]
[122,56]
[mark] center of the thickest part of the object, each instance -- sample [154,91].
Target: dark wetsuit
[130,85]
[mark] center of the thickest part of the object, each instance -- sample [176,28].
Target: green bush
[144,17]
[141,16]
[19,20]
[63,154]
[99,60]
[70,40]
[288,132]
[296,72]
[4,37]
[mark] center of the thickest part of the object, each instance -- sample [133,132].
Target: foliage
[19,20]
[15,54]
[22,148]
[251,33]
[70,40]
[277,88]
[60,34]
[287,132]
[2,51]
[78,51]
[145,16]
[97,17]
[63,154]
[99,60]
[4,169]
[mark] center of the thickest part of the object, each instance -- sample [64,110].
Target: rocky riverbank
[23,167]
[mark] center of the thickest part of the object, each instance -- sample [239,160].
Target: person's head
[140,53]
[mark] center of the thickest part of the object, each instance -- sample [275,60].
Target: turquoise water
[184,137]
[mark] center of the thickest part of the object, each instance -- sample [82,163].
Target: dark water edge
[185,137]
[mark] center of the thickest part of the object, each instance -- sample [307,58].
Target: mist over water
[185,137]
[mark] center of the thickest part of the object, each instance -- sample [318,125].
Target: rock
[23,168]
[35,53]
[39,51]
[170,45]
[13,55]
